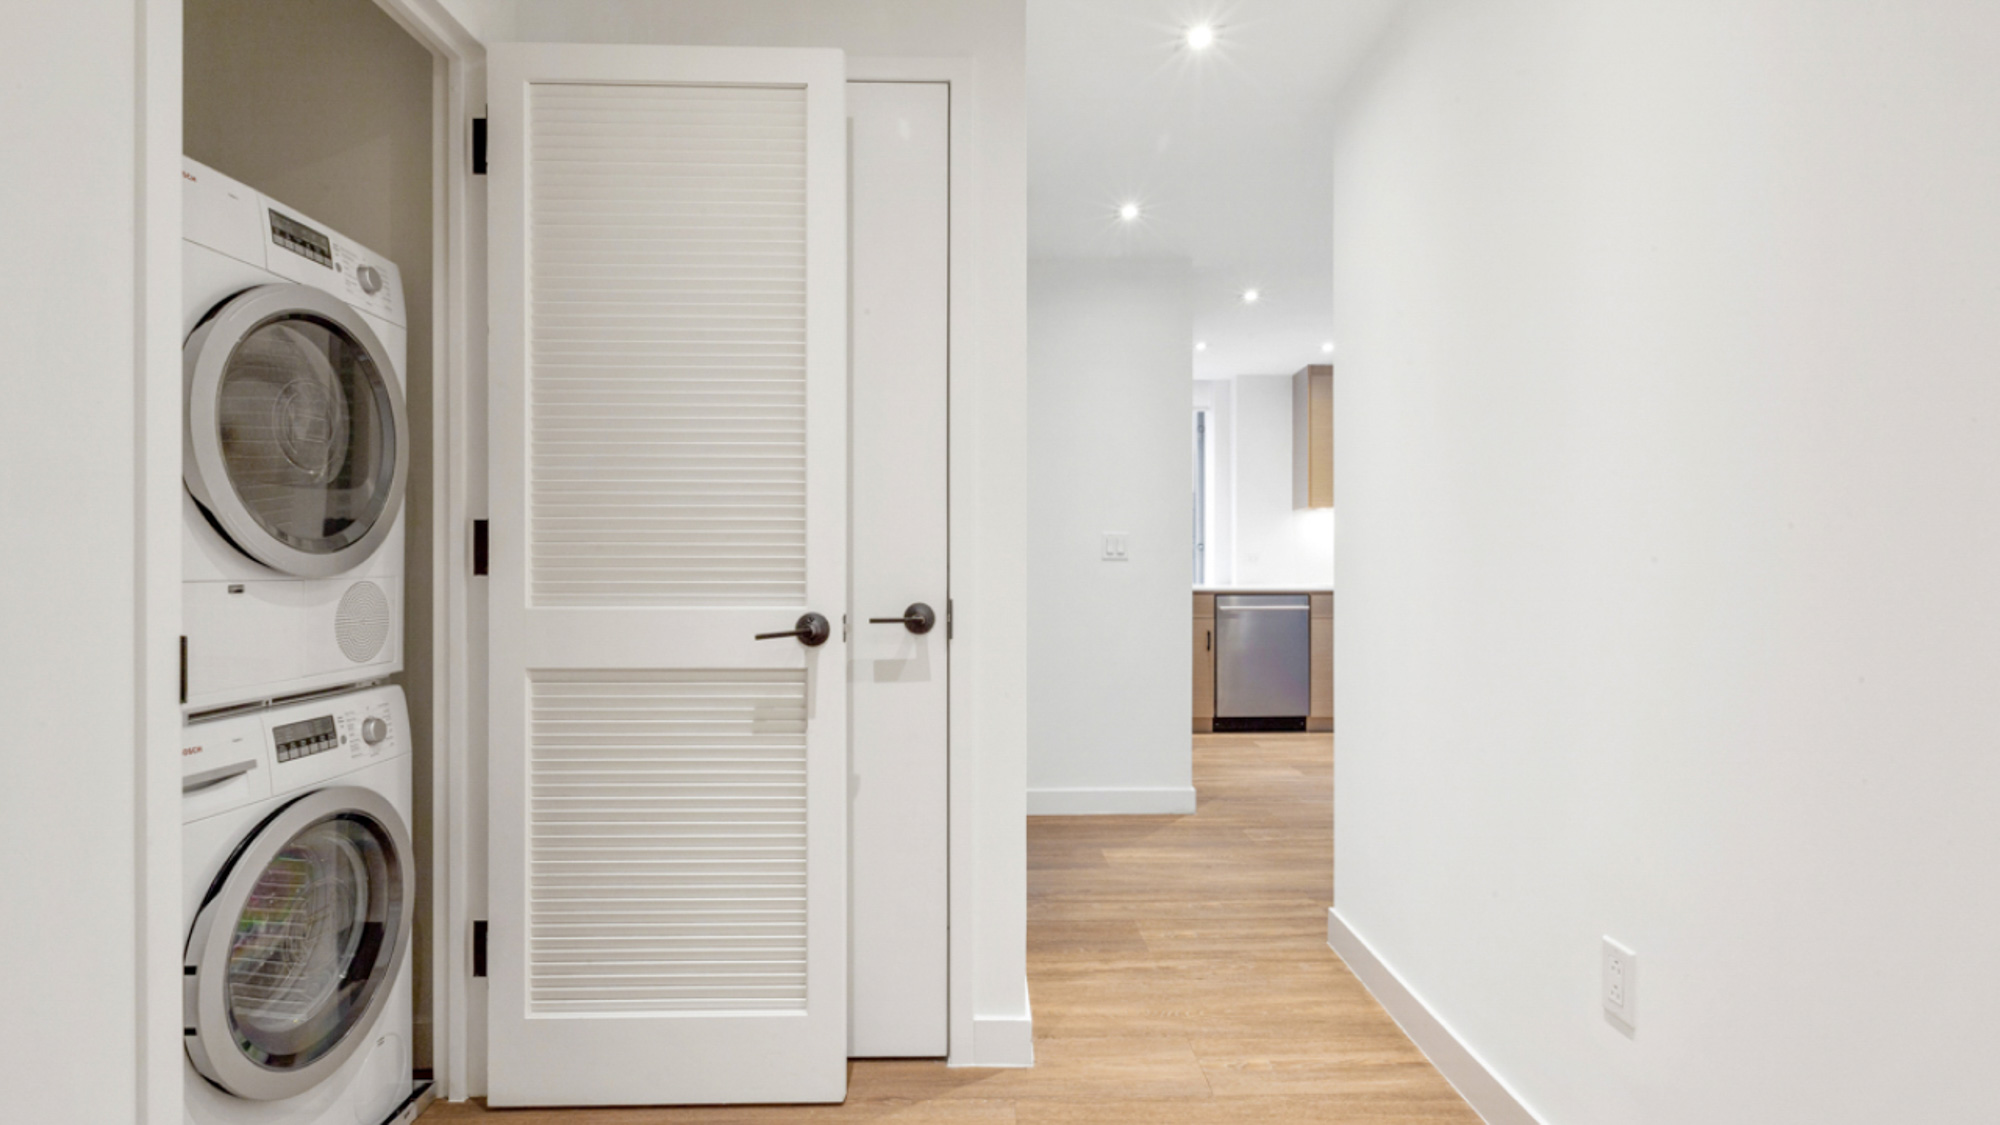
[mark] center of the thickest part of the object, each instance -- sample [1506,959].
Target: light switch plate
[1116,546]
[1620,985]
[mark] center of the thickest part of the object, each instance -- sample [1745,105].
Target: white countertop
[1263,589]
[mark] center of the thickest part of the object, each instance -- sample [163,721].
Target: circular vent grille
[362,622]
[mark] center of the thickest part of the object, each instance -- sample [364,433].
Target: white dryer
[296,451]
[299,893]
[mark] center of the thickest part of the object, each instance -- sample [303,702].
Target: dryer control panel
[225,215]
[300,239]
[304,251]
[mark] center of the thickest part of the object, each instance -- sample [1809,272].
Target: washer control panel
[317,741]
[305,738]
[246,755]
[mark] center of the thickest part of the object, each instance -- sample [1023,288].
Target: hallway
[1179,973]
[1190,952]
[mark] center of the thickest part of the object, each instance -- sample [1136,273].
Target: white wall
[989,518]
[273,98]
[89,451]
[1109,664]
[1274,544]
[1669,541]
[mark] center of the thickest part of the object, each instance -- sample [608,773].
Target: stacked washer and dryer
[296,785]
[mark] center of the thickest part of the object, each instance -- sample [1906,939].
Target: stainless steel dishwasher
[1263,659]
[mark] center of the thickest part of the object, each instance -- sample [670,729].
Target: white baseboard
[1474,1081]
[1171,801]
[1001,1041]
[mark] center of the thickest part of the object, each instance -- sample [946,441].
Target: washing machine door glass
[300,945]
[300,958]
[296,436]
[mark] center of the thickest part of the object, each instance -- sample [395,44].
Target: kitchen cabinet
[1312,437]
[1321,717]
[1204,663]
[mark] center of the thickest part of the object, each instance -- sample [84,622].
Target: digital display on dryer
[301,239]
[304,739]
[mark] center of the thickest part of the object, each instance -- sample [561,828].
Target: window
[1201,481]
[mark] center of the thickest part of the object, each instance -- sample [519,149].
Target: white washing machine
[296,451]
[299,894]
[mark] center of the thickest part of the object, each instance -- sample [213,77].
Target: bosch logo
[190,751]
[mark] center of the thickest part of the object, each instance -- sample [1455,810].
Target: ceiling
[1227,151]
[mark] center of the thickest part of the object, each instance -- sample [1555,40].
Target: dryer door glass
[307,433]
[313,941]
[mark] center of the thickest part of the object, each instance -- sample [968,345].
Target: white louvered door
[668,478]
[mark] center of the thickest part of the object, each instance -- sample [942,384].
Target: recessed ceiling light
[1250,296]
[1201,37]
[1327,347]
[1128,212]
[1201,345]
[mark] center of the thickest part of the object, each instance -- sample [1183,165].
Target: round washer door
[297,444]
[296,949]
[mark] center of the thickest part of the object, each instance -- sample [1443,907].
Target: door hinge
[479,548]
[479,948]
[949,625]
[184,668]
[479,146]
[843,628]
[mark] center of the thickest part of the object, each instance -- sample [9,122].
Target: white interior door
[901,263]
[668,478]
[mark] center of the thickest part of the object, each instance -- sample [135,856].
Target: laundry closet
[691,826]
[309,137]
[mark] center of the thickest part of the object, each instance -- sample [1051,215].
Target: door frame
[159,931]
[458,481]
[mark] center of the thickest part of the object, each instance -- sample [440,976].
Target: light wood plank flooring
[1179,973]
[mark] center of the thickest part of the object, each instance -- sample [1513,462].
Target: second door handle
[918,618]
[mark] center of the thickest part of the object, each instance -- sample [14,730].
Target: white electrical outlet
[1115,546]
[1621,984]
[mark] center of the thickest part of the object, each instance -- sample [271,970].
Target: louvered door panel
[668,432]
[667,842]
[667,364]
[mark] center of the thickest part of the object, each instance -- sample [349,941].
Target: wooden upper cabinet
[1312,437]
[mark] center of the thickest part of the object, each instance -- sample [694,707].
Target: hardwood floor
[1179,974]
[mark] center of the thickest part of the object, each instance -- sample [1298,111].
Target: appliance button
[370,278]
[373,730]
